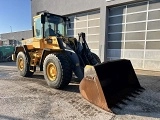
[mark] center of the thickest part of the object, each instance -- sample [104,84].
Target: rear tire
[23,66]
[57,70]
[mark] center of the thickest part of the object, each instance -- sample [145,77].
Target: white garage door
[134,33]
[89,23]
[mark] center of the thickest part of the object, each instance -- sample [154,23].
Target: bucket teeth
[136,93]
[131,95]
[122,102]
[117,106]
[138,90]
[127,98]
[141,89]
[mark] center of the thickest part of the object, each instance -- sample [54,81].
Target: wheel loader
[103,84]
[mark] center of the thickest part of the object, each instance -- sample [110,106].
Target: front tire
[23,66]
[57,70]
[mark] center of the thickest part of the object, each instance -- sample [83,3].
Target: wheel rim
[20,64]
[51,71]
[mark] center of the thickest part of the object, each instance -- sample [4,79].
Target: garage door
[134,33]
[88,22]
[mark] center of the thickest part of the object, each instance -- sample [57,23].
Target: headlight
[49,41]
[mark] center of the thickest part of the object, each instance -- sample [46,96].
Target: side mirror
[42,19]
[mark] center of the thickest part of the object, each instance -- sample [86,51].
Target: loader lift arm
[86,56]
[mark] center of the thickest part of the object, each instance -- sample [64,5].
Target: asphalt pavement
[30,99]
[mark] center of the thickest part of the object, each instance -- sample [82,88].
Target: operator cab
[47,24]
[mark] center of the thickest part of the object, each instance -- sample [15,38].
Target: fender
[22,49]
[45,52]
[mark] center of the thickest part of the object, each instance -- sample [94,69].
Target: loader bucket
[107,84]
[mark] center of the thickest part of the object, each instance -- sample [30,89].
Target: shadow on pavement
[8,64]
[38,76]
[3,117]
[72,87]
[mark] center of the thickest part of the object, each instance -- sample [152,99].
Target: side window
[38,28]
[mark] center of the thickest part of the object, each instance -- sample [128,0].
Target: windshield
[54,26]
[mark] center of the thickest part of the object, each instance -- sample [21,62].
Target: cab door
[38,32]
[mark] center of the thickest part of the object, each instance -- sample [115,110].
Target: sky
[15,15]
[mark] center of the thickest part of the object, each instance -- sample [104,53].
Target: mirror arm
[33,31]
[43,30]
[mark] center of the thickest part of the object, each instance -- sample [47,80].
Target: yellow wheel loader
[103,84]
